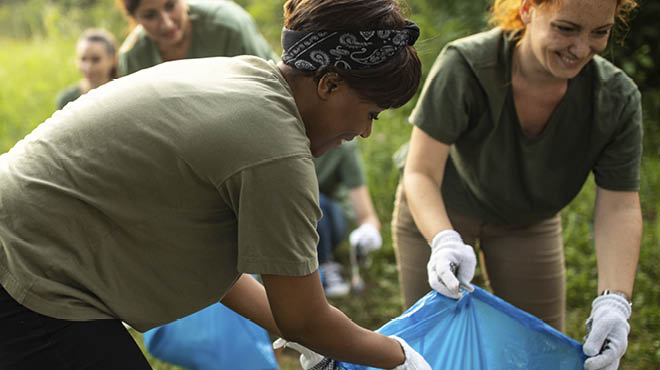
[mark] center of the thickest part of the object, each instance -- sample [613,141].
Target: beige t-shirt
[146,198]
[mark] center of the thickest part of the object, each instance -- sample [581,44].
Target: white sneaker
[333,282]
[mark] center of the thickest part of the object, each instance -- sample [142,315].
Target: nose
[167,21]
[367,131]
[84,66]
[582,47]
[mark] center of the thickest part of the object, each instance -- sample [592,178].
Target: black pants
[30,341]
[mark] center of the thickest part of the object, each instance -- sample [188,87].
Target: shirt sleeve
[276,204]
[618,167]
[448,98]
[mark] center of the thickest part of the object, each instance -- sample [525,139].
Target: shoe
[333,282]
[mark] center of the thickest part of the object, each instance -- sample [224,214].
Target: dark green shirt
[339,170]
[69,94]
[498,174]
[219,28]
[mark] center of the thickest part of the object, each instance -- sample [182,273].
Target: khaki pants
[523,263]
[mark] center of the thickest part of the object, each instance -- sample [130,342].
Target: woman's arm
[304,316]
[295,308]
[422,177]
[363,206]
[618,233]
[248,298]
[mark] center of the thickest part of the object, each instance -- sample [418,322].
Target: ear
[329,84]
[526,9]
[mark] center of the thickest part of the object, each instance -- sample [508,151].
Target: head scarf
[310,51]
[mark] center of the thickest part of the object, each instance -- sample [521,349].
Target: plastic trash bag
[479,332]
[214,338]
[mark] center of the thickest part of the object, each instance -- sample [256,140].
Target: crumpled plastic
[215,338]
[481,332]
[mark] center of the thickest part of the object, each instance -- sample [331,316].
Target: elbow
[294,333]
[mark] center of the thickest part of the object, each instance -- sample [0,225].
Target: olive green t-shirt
[219,29]
[69,94]
[339,170]
[147,197]
[498,174]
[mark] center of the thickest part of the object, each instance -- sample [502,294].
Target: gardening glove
[367,237]
[607,332]
[309,360]
[414,361]
[451,265]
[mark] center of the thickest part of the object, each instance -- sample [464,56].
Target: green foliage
[640,54]
[66,18]
[30,81]
[36,61]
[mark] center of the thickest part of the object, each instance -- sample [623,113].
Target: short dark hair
[390,84]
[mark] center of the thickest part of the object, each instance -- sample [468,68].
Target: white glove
[451,265]
[414,361]
[367,237]
[309,360]
[607,332]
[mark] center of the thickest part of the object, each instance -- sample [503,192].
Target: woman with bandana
[159,193]
[181,29]
[509,125]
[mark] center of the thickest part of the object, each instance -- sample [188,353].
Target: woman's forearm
[617,238]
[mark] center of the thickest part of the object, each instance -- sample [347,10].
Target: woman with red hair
[514,120]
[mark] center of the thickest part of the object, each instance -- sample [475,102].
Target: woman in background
[96,58]
[180,29]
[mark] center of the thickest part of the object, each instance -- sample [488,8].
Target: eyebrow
[580,26]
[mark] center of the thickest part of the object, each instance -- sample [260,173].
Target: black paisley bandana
[309,51]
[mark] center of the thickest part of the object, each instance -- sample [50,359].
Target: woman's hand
[451,265]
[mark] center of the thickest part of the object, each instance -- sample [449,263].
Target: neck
[303,89]
[86,85]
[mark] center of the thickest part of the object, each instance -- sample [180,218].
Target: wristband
[619,293]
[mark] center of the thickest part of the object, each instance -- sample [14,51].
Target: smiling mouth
[169,35]
[569,61]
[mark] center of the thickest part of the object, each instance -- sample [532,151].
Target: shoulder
[481,49]
[610,79]
[135,52]
[135,41]
[66,95]
[219,13]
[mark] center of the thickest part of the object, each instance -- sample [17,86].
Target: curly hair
[506,13]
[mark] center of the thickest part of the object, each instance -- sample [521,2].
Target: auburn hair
[506,13]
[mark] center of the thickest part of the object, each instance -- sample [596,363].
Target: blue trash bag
[481,332]
[215,338]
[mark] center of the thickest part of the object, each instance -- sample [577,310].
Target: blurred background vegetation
[37,45]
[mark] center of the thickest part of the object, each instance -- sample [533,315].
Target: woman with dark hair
[509,125]
[159,193]
[96,58]
[182,29]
